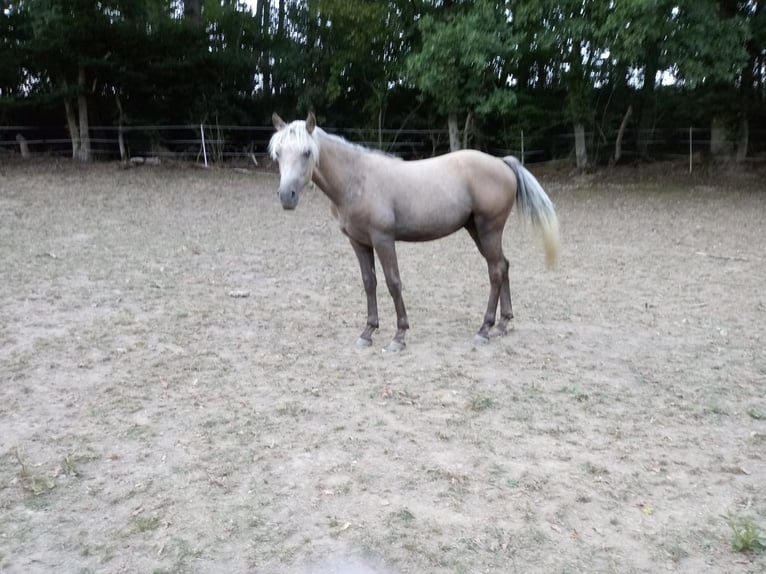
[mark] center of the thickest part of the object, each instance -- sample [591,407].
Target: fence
[208,144]
[205,143]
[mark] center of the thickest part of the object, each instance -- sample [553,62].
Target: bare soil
[180,391]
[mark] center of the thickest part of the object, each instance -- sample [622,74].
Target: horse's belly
[425,223]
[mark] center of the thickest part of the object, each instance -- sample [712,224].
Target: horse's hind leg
[506,307]
[366,258]
[490,244]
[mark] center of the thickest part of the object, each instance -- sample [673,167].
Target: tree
[460,61]
[68,40]
[685,39]
[569,35]
[541,65]
[365,43]
[14,31]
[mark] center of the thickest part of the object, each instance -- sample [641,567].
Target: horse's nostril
[292,194]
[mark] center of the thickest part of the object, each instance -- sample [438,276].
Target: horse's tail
[534,203]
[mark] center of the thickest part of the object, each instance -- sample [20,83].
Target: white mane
[295,135]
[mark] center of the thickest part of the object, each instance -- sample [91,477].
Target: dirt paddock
[180,391]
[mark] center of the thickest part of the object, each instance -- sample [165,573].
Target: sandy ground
[180,391]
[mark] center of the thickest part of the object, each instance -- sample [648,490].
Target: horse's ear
[278,122]
[311,122]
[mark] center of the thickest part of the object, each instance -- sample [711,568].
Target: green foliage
[461,63]
[746,536]
[531,64]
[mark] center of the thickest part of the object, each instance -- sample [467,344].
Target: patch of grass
[458,483]
[479,403]
[138,431]
[717,409]
[294,410]
[578,394]
[146,523]
[746,535]
[70,465]
[256,521]
[180,551]
[675,551]
[32,484]
[401,516]
[533,536]
[333,521]
[594,469]
[443,436]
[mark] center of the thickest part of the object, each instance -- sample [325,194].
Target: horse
[379,199]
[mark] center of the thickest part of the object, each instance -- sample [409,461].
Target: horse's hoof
[502,330]
[362,343]
[394,346]
[481,340]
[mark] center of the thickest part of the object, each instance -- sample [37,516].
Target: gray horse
[379,199]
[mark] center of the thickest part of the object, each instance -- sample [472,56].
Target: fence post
[690,150]
[23,146]
[204,151]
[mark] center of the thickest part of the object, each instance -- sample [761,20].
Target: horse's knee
[370,283]
[394,285]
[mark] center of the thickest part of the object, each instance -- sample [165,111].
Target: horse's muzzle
[288,198]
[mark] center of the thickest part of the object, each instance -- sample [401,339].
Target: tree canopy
[486,68]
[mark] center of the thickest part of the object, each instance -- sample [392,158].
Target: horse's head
[296,151]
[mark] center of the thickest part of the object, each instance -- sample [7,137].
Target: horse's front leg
[386,250]
[366,257]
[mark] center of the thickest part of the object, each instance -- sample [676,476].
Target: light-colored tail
[534,203]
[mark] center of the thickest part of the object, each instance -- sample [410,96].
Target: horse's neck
[336,173]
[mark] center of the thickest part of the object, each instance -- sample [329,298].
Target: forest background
[594,81]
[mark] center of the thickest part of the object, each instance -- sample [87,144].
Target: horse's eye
[307,153]
[276,155]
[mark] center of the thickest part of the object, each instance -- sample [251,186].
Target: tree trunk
[23,146]
[467,129]
[82,112]
[454,132]
[620,132]
[120,131]
[720,145]
[265,7]
[646,112]
[743,141]
[380,126]
[281,18]
[193,11]
[74,131]
[581,152]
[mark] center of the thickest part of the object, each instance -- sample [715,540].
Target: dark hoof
[362,343]
[394,346]
[480,340]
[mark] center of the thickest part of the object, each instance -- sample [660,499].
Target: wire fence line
[208,144]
